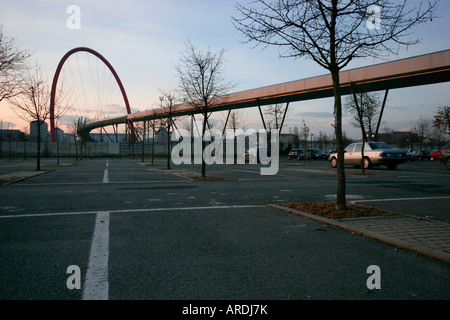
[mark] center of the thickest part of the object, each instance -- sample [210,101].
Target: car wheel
[432,159]
[367,163]
[447,163]
[334,162]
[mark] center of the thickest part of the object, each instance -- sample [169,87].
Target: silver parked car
[375,154]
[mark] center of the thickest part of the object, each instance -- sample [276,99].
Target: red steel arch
[55,81]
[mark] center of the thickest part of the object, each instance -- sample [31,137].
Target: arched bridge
[85,131]
[420,70]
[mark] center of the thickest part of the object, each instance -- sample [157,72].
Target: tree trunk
[359,110]
[153,142]
[76,147]
[143,144]
[57,147]
[205,122]
[168,141]
[341,202]
[38,153]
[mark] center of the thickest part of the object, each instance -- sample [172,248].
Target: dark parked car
[298,154]
[423,154]
[445,155]
[375,154]
[411,155]
[317,154]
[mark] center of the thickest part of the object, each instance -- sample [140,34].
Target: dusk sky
[143,41]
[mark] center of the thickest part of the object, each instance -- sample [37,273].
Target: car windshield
[350,148]
[379,145]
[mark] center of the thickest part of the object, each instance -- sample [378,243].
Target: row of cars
[424,155]
[444,155]
[308,154]
[375,154]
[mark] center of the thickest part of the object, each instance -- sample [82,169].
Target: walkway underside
[421,70]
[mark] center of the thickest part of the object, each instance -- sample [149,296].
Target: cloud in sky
[143,40]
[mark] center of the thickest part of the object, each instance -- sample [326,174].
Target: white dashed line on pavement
[96,286]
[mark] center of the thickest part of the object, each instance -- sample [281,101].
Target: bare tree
[387,134]
[296,139]
[188,125]
[441,119]
[438,135]
[60,108]
[422,129]
[304,134]
[33,105]
[202,82]
[274,116]
[236,120]
[26,131]
[73,129]
[168,98]
[332,33]
[323,140]
[140,133]
[364,107]
[12,66]
[155,125]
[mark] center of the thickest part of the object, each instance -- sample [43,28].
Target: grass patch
[5,181]
[207,178]
[329,210]
[148,164]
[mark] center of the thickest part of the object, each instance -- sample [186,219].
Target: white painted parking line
[399,199]
[132,211]
[105,173]
[84,183]
[256,171]
[105,176]
[96,286]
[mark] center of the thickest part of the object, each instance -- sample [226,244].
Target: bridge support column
[284,116]
[261,114]
[381,113]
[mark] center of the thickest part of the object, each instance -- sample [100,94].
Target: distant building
[11,135]
[110,137]
[60,136]
[34,131]
[288,140]
[161,136]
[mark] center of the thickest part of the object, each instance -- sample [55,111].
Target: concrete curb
[21,175]
[188,175]
[367,233]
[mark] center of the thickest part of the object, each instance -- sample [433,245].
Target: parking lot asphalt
[70,196]
[422,234]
